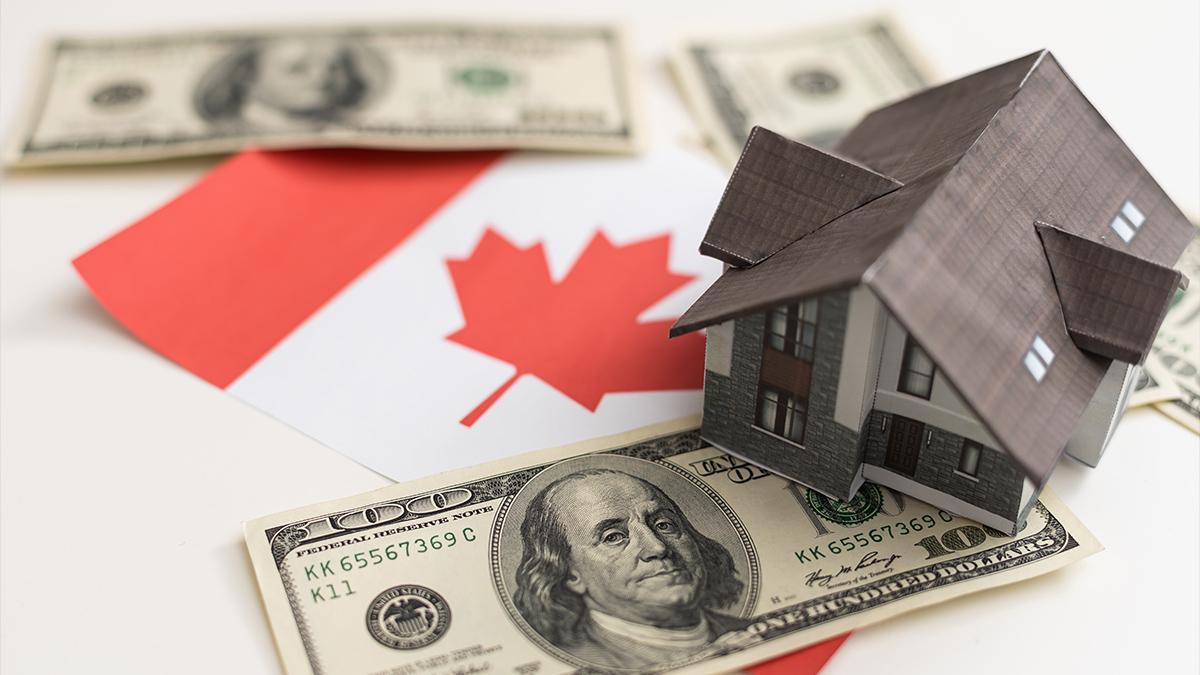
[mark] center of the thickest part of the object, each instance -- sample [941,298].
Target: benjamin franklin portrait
[613,572]
[289,83]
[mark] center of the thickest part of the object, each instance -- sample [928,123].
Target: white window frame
[1038,358]
[977,448]
[1128,221]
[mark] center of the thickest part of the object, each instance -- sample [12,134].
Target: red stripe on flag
[217,277]
[807,661]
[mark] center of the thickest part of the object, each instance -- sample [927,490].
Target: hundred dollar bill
[568,87]
[1177,346]
[811,86]
[1154,384]
[635,553]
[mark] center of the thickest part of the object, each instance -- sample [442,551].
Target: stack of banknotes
[642,552]
[1170,378]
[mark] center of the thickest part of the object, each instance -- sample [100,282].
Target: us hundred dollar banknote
[637,553]
[1177,347]
[811,85]
[565,87]
[1155,384]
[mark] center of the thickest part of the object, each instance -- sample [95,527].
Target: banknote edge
[1177,413]
[36,90]
[308,26]
[703,116]
[1085,545]
[455,476]
[638,120]
[280,620]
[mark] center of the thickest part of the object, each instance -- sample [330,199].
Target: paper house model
[945,304]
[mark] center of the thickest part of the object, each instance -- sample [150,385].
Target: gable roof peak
[1113,302]
[782,191]
[932,129]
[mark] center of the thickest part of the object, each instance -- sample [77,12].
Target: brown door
[904,445]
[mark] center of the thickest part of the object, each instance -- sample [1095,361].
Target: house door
[904,445]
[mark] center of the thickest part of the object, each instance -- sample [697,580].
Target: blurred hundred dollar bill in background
[1177,347]
[1154,385]
[416,86]
[811,85]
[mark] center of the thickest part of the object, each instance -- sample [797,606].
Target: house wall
[996,488]
[860,358]
[941,500]
[1099,419]
[944,409]
[718,348]
[830,459]
[853,395]
[999,485]
[1029,497]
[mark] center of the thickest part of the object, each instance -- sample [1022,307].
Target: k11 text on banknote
[641,552]
[417,86]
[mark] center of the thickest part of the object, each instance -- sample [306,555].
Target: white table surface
[125,479]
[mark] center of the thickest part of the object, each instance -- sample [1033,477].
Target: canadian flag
[424,311]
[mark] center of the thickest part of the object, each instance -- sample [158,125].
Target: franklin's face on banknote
[619,569]
[297,80]
[629,553]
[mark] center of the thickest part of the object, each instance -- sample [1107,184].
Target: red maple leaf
[579,335]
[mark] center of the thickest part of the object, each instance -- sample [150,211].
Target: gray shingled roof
[1112,302]
[781,191]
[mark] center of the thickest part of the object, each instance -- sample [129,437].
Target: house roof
[831,257]
[1112,302]
[781,191]
[915,141]
[955,252]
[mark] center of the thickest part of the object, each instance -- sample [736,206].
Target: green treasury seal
[864,506]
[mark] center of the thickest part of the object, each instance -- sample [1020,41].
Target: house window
[792,329]
[1038,359]
[916,370]
[781,413]
[1128,222]
[968,461]
[786,370]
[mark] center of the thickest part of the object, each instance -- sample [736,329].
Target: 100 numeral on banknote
[635,553]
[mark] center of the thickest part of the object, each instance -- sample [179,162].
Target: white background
[124,478]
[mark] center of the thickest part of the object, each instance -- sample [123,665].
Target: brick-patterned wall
[830,458]
[998,489]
